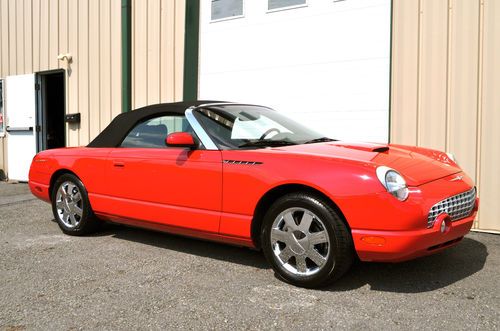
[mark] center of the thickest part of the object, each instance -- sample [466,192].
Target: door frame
[41,113]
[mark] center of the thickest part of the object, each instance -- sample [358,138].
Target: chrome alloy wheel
[300,242]
[69,204]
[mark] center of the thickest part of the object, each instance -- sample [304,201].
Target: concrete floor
[124,278]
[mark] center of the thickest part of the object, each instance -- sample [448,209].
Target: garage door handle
[20,128]
[119,164]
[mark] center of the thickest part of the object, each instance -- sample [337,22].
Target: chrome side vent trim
[242,162]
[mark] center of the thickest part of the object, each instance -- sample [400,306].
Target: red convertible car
[247,175]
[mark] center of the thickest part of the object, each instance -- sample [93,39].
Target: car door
[173,186]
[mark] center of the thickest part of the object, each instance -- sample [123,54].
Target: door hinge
[38,128]
[37,87]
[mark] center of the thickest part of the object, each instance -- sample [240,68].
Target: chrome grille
[457,207]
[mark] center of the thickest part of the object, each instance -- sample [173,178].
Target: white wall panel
[317,63]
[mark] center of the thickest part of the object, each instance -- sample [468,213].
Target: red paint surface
[180,139]
[194,193]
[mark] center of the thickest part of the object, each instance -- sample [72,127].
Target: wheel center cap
[299,235]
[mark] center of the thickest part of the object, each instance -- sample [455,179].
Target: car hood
[417,165]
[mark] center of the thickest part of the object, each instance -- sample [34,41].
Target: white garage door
[324,62]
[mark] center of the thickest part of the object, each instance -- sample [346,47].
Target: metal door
[20,110]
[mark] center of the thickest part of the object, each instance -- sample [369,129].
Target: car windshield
[248,127]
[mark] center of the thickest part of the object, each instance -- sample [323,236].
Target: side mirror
[180,139]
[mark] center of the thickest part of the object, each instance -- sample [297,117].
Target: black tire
[338,251]
[82,224]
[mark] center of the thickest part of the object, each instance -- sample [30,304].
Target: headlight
[393,182]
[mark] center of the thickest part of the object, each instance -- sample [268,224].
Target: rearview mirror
[180,139]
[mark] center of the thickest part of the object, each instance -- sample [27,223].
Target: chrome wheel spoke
[278,235]
[70,188]
[316,257]
[62,192]
[77,210]
[318,238]
[286,254]
[69,204]
[65,217]
[301,263]
[289,221]
[77,197]
[305,222]
[60,205]
[72,219]
[310,250]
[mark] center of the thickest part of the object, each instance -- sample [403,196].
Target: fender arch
[275,193]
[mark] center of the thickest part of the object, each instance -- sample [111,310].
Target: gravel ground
[124,278]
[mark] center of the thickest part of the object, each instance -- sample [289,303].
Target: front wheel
[71,206]
[305,241]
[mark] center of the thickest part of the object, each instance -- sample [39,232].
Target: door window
[225,9]
[153,132]
[279,4]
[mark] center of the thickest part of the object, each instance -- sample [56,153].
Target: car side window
[153,132]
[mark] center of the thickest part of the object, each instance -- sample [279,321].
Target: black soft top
[115,132]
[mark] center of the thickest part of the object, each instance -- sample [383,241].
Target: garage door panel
[314,57]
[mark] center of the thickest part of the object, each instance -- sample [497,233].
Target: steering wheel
[265,134]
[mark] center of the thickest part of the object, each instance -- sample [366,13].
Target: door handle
[17,129]
[118,164]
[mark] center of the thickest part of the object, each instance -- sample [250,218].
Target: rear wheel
[71,207]
[306,241]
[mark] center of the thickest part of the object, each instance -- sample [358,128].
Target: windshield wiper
[319,140]
[267,143]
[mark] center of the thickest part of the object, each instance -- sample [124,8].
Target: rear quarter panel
[88,164]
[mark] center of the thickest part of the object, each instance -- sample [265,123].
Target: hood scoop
[380,149]
[376,148]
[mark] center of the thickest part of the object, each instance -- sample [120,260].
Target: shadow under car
[420,275]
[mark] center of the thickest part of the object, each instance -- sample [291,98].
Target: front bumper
[397,231]
[398,246]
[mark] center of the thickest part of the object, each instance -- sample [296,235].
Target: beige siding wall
[445,81]
[157,51]
[34,32]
